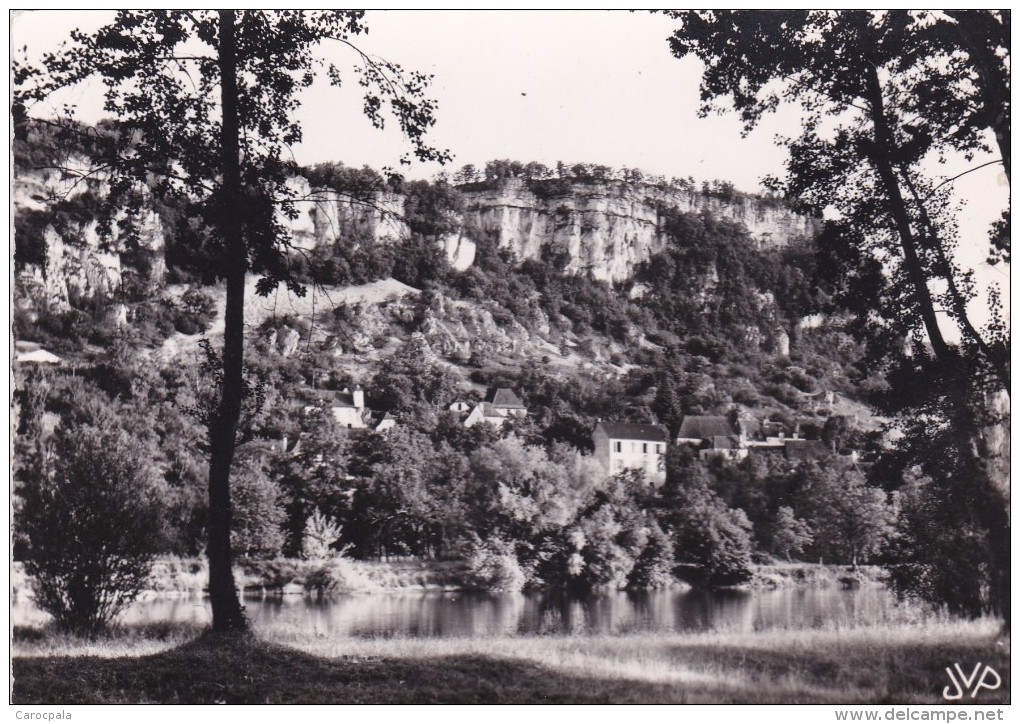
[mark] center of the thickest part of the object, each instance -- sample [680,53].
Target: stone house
[502,404]
[714,436]
[349,410]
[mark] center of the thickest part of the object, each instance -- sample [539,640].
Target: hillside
[591,273]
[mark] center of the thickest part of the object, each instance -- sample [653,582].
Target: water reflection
[447,614]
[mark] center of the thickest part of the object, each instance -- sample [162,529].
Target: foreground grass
[902,663]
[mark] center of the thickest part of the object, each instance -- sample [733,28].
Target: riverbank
[886,663]
[190,576]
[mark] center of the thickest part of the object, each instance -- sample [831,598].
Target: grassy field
[902,663]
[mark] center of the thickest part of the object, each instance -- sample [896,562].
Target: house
[502,404]
[623,446]
[697,429]
[506,401]
[485,412]
[714,436]
[724,446]
[349,410]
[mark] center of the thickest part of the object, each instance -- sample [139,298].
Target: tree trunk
[228,615]
[881,157]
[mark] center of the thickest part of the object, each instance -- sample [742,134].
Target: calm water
[475,614]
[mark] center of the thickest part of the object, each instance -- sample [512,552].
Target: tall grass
[877,663]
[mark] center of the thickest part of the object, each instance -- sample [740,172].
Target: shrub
[333,576]
[90,521]
[195,312]
[321,532]
[654,566]
[492,566]
[273,573]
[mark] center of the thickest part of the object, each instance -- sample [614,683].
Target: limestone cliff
[611,226]
[606,228]
[68,259]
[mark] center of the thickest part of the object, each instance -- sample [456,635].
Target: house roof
[806,449]
[507,398]
[705,427]
[39,356]
[633,431]
[723,442]
[489,410]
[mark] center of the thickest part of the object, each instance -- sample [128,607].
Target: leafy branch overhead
[882,97]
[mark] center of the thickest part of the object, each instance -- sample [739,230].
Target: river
[455,614]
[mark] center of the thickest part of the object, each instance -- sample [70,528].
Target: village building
[505,401]
[697,429]
[502,404]
[714,436]
[717,436]
[621,446]
[349,410]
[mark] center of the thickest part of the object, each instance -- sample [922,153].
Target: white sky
[591,86]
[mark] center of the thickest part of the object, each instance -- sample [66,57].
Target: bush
[321,532]
[493,566]
[195,312]
[654,566]
[90,521]
[333,576]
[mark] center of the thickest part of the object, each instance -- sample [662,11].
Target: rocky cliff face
[609,227]
[78,263]
[606,228]
[326,217]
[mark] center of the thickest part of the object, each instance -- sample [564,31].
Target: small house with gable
[349,410]
[502,404]
[697,429]
[505,401]
[623,446]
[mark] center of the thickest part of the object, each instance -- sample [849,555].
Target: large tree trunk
[228,615]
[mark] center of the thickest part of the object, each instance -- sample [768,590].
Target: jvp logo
[964,683]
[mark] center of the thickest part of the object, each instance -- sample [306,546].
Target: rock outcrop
[77,263]
[609,227]
[606,228]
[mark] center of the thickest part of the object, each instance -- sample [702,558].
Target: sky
[574,86]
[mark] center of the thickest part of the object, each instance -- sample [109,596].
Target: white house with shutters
[621,446]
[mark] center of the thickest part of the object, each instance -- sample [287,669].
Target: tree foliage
[91,513]
[880,94]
